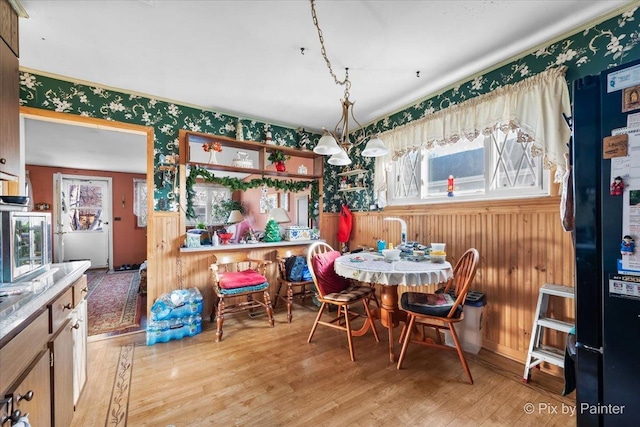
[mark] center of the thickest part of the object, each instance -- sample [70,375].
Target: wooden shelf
[353,172]
[253,171]
[259,152]
[352,189]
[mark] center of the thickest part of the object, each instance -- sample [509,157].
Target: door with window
[83,217]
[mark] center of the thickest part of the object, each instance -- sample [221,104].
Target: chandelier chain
[323,50]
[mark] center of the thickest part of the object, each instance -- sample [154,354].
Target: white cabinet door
[79,318]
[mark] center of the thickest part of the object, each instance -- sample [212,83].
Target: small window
[85,207]
[501,164]
[205,197]
[140,202]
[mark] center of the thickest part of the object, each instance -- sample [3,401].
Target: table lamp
[235,216]
[272,230]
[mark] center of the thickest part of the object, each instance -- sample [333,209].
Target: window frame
[541,190]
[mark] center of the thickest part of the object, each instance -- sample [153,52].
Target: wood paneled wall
[522,246]
[521,242]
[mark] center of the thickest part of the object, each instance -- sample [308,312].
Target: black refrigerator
[606,226]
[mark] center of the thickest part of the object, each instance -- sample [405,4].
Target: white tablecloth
[372,268]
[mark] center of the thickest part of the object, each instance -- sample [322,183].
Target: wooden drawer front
[60,310]
[22,349]
[79,290]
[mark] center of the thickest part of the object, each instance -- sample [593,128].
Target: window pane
[408,175]
[465,161]
[85,207]
[205,197]
[515,166]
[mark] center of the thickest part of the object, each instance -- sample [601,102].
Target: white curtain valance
[536,105]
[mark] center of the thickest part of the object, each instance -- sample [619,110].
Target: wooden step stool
[539,352]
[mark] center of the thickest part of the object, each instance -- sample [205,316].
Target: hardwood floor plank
[262,376]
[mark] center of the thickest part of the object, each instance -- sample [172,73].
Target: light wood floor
[262,376]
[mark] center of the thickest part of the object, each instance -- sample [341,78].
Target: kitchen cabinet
[79,325]
[9,26]
[25,371]
[61,348]
[9,114]
[9,94]
[44,360]
[32,395]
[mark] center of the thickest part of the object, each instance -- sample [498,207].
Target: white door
[83,217]
[302,210]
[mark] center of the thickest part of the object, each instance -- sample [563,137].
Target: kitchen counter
[249,246]
[21,307]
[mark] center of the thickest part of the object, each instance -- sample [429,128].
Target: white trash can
[469,331]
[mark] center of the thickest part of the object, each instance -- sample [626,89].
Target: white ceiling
[244,57]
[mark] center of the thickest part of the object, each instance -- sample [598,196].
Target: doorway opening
[97,163]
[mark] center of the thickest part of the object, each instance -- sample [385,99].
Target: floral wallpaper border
[166,118]
[601,46]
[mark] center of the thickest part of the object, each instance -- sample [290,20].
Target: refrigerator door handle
[589,348]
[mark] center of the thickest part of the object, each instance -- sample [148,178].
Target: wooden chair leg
[370,319]
[374,296]
[289,303]
[277,295]
[219,319]
[349,336]
[402,332]
[454,335]
[438,338]
[407,338]
[267,302]
[315,324]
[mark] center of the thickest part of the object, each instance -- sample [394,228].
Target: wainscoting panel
[522,246]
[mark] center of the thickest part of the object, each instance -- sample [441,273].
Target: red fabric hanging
[344,227]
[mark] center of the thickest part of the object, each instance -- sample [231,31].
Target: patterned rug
[112,301]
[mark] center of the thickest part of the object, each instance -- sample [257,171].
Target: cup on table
[438,247]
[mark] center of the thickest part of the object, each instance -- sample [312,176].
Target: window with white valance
[517,128]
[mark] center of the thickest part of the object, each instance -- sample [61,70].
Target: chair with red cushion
[239,278]
[422,309]
[338,291]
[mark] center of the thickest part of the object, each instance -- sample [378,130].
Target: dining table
[371,267]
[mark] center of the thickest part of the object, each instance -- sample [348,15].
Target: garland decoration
[235,184]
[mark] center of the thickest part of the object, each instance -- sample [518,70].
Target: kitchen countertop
[249,246]
[44,291]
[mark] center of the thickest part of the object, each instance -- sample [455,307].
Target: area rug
[112,302]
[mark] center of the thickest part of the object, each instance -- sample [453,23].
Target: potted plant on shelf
[278,158]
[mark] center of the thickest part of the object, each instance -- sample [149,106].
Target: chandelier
[338,143]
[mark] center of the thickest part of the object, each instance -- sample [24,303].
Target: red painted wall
[129,242]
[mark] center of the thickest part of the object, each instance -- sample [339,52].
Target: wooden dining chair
[239,278]
[422,311]
[295,288]
[334,290]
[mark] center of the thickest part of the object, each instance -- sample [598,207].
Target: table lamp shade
[234,217]
[279,215]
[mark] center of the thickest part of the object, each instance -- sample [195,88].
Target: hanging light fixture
[338,143]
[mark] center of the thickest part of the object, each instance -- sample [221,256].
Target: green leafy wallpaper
[166,118]
[607,44]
